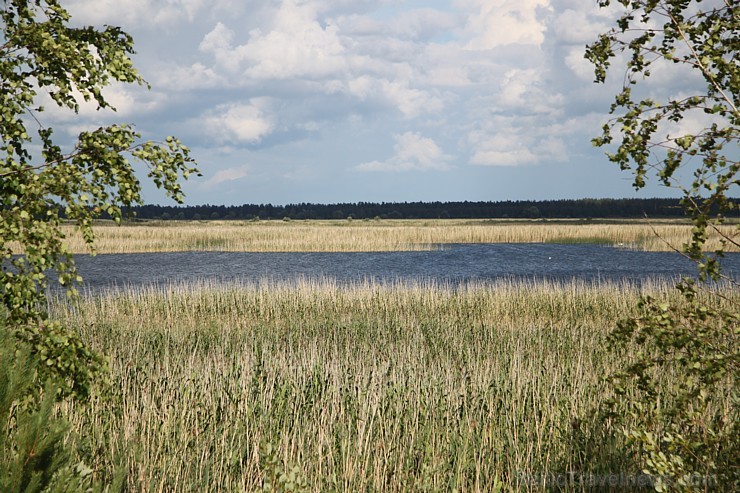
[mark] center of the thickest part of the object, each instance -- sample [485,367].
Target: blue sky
[287,101]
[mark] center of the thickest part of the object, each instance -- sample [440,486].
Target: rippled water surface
[455,264]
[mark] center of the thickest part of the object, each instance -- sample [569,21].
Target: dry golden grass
[362,388]
[355,236]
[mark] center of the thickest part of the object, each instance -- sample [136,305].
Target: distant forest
[521,209]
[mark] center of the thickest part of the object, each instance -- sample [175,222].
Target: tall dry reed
[366,387]
[335,236]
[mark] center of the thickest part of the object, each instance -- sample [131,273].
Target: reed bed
[367,387]
[356,236]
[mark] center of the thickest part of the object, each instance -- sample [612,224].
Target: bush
[35,455]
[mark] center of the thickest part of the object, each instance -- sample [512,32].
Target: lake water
[454,264]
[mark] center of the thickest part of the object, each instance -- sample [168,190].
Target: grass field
[320,387]
[361,388]
[381,235]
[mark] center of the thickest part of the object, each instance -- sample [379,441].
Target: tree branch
[701,66]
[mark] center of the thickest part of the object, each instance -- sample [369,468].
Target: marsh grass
[395,235]
[367,387]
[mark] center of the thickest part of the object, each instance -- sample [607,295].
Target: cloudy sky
[287,101]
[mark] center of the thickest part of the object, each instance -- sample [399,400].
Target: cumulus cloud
[579,26]
[412,152]
[153,12]
[218,40]
[127,101]
[693,123]
[226,175]
[503,149]
[517,141]
[581,67]
[301,46]
[525,91]
[239,122]
[494,23]
[409,101]
[417,25]
[195,76]
[293,44]
[504,79]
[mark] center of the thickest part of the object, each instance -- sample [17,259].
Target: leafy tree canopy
[689,40]
[43,178]
[685,436]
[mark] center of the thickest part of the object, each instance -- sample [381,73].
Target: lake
[454,264]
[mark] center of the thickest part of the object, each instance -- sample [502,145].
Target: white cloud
[580,26]
[510,157]
[418,24]
[504,79]
[494,23]
[128,102]
[195,76]
[515,85]
[409,101]
[525,91]
[219,39]
[412,152]
[293,45]
[583,69]
[131,12]
[239,122]
[501,149]
[226,175]
[312,52]
[125,100]
[693,123]
[517,141]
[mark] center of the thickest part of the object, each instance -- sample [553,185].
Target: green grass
[361,388]
[586,240]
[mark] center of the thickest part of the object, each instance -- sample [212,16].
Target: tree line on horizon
[519,209]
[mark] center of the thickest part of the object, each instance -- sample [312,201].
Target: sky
[326,101]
